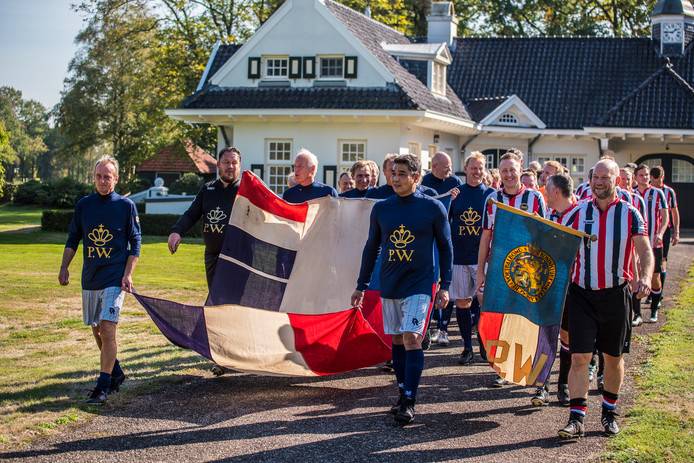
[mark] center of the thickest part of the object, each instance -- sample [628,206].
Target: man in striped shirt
[626,175]
[514,194]
[599,297]
[672,234]
[657,220]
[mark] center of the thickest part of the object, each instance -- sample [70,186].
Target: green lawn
[18,217]
[660,426]
[48,358]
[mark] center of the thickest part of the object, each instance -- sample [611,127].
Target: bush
[189,183]
[62,193]
[151,224]
[8,192]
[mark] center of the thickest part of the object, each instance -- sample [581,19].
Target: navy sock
[104,381]
[662,281]
[414,364]
[601,364]
[399,364]
[445,317]
[475,311]
[464,317]
[655,299]
[564,364]
[117,370]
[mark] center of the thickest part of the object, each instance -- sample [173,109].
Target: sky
[36,45]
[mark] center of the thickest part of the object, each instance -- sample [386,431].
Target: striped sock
[609,401]
[578,409]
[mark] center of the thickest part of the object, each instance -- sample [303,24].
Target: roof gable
[515,106]
[180,157]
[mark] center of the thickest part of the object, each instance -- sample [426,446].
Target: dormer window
[275,67]
[508,119]
[332,67]
[438,78]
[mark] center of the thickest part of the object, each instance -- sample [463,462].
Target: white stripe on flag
[266,226]
[254,341]
[256,271]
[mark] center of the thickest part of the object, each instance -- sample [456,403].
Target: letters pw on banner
[527,279]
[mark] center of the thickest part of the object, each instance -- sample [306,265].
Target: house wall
[303,31]
[630,150]
[447,142]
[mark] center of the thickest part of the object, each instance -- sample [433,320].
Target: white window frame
[272,178]
[687,176]
[567,160]
[344,166]
[508,119]
[265,62]
[319,64]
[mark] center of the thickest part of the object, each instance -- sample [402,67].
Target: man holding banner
[599,297]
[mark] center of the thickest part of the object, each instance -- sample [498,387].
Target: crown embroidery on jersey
[100,235]
[401,237]
[470,217]
[216,215]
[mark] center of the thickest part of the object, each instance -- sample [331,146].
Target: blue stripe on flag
[235,284]
[257,253]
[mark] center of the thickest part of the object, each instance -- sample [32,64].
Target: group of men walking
[415,213]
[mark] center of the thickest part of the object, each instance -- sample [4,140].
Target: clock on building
[672,32]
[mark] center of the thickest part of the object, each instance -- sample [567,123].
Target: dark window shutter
[259,170]
[330,175]
[309,67]
[350,67]
[254,68]
[295,67]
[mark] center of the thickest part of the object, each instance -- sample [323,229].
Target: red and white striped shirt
[526,200]
[581,190]
[640,205]
[671,200]
[605,263]
[655,203]
[587,193]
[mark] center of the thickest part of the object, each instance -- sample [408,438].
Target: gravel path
[268,419]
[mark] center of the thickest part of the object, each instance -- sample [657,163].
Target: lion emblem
[530,272]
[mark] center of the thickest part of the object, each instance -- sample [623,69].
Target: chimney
[442,23]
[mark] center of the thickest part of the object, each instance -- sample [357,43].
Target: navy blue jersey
[355,193]
[441,186]
[300,193]
[386,191]
[110,229]
[466,214]
[405,229]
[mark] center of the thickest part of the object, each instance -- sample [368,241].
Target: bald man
[441,177]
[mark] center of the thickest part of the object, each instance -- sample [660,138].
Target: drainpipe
[222,129]
[530,146]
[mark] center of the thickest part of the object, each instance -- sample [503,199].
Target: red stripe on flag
[337,342]
[372,309]
[489,329]
[257,193]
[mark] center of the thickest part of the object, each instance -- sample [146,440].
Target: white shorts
[407,315]
[102,304]
[463,282]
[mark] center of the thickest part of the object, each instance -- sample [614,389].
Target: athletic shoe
[660,303]
[443,338]
[466,358]
[574,429]
[218,370]
[654,316]
[637,321]
[116,381]
[405,414]
[609,422]
[498,382]
[97,397]
[426,342]
[388,366]
[592,369]
[434,336]
[394,409]
[601,382]
[541,397]
[563,395]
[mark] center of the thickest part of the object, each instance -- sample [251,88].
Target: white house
[322,76]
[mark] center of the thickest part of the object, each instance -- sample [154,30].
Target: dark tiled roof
[664,100]
[224,52]
[673,7]
[390,97]
[371,34]
[479,108]
[567,82]
[418,68]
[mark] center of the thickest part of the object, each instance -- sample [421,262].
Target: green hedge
[151,224]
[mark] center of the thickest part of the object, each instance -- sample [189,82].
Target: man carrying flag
[514,194]
[405,228]
[599,297]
